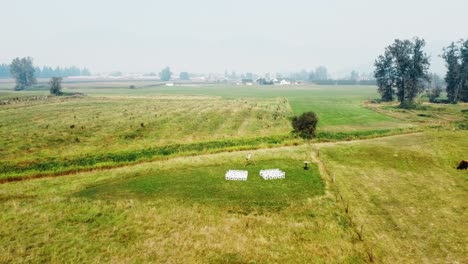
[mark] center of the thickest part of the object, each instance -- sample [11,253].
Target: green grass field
[112,126]
[155,212]
[140,176]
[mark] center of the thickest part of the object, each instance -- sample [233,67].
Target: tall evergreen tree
[418,74]
[452,78]
[463,93]
[384,74]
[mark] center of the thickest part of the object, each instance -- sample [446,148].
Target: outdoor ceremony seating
[236,175]
[272,174]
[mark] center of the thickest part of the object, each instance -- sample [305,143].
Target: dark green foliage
[464,71]
[55,85]
[456,59]
[165,74]
[384,74]
[463,125]
[404,66]
[418,73]
[23,72]
[452,78]
[305,124]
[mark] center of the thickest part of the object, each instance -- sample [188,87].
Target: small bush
[408,105]
[463,125]
[425,115]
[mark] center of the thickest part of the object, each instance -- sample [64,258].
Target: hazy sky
[214,35]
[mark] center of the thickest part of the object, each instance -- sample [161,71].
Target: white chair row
[241,175]
[272,174]
[236,175]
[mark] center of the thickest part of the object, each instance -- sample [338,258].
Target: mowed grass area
[406,194]
[205,185]
[339,107]
[178,211]
[54,130]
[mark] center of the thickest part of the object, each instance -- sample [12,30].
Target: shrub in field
[305,124]
[55,85]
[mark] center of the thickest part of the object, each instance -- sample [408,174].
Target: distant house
[285,82]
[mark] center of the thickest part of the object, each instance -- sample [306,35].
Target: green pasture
[114,125]
[138,176]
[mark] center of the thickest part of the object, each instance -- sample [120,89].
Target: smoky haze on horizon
[214,36]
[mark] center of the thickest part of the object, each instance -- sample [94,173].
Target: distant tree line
[47,72]
[320,76]
[24,73]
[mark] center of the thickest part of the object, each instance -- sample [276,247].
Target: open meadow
[137,175]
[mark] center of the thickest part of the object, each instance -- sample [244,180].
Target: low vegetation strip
[60,166]
[10,171]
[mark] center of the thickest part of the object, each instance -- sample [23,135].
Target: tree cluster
[456,59]
[402,71]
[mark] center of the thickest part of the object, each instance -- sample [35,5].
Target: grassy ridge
[107,160]
[52,165]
